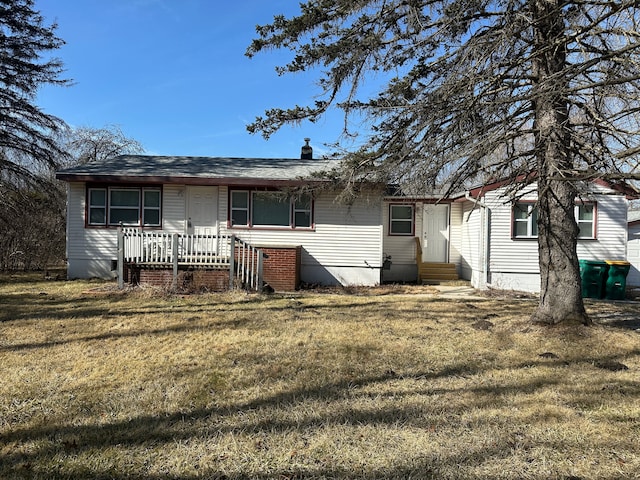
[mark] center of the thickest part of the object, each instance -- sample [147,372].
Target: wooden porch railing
[418,251]
[162,249]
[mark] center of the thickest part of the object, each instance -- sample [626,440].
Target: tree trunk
[560,285]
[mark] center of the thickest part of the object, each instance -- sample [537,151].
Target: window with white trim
[270,209]
[401,219]
[525,218]
[130,206]
[302,211]
[585,214]
[239,208]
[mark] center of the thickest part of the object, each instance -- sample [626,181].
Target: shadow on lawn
[68,441]
[44,307]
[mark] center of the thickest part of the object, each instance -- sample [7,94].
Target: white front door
[435,233]
[202,210]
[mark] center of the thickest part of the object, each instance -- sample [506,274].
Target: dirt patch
[397,289]
[107,290]
[508,294]
[620,319]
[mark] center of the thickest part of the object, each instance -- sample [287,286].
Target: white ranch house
[193,215]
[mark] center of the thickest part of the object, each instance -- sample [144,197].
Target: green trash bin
[593,274]
[616,283]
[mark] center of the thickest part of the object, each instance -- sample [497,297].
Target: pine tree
[28,138]
[542,91]
[25,130]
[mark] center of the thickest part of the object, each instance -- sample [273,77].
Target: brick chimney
[307,151]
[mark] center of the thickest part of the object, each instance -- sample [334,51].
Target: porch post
[174,259]
[232,260]
[260,268]
[120,258]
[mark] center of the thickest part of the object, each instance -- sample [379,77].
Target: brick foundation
[282,267]
[216,280]
[281,271]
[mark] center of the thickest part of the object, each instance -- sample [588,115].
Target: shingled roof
[201,170]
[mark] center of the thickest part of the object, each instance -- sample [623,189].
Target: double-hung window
[585,217]
[302,211]
[131,206]
[401,219]
[240,208]
[270,209]
[151,207]
[97,206]
[525,218]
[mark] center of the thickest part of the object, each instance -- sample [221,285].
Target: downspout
[485,236]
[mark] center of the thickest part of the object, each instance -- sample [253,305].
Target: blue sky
[172,74]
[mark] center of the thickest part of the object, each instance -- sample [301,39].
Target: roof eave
[160,179]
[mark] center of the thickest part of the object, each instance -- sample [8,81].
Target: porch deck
[163,250]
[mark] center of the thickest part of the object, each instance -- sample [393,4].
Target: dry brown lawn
[387,383]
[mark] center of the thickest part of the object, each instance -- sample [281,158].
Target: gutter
[485,214]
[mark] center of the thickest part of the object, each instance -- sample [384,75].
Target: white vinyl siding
[402,248]
[455,234]
[633,256]
[174,208]
[513,263]
[507,254]
[611,230]
[91,250]
[471,233]
[345,245]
